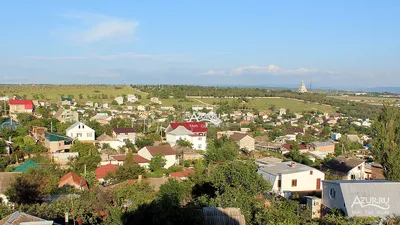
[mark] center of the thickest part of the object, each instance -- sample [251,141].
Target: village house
[119,100]
[132,98]
[202,107]
[155,100]
[187,153]
[141,108]
[20,218]
[282,111]
[74,181]
[286,148]
[166,151]
[326,146]
[21,106]
[81,132]
[290,177]
[57,143]
[102,171]
[346,168]
[244,141]
[66,101]
[102,118]
[125,134]
[194,132]
[119,160]
[105,139]
[89,104]
[66,116]
[362,198]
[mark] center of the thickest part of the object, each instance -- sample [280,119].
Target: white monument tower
[302,88]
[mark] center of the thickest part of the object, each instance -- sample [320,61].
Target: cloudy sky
[275,43]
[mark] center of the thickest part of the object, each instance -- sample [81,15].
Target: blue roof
[26,166]
[7,124]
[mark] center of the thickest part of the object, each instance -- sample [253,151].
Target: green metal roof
[26,166]
[57,137]
[66,99]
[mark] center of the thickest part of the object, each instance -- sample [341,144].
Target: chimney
[292,164]
[140,178]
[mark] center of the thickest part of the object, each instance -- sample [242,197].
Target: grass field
[104,93]
[366,99]
[53,93]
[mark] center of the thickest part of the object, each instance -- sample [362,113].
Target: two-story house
[66,116]
[132,98]
[347,168]
[66,101]
[124,134]
[57,143]
[148,152]
[81,132]
[290,177]
[194,132]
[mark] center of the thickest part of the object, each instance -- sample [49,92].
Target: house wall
[68,116]
[199,142]
[327,148]
[124,136]
[113,144]
[247,143]
[145,153]
[359,173]
[82,133]
[333,203]
[65,102]
[305,181]
[14,109]
[55,146]
[170,159]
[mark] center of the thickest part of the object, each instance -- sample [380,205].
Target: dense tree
[84,149]
[227,151]
[157,163]
[142,142]
[386,144]
[128,171]
[184,143]
[137,193]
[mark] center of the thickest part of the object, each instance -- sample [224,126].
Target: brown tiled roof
[289,147]
[124,130]
[76,179]
[138,158]
[238,136]
[183,173]
[342,164]
[162,149]
[102,171]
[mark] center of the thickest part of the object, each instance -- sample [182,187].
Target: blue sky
[337,43]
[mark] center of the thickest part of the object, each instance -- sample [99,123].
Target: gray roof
[284,168]
[22,218]
[319,143]
[370,197]
[181,130]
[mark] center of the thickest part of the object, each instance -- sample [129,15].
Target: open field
[105,93]
[366,99]
[53,93]
[260,104]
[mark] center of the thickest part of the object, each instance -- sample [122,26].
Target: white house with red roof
[194,132]
[21,106]
[148,152]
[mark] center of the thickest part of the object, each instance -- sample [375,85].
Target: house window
[199,138]
[89,134]
[311,172]
[332,193]
[279,183]
[359,167]
[353,177]
[199,146]
[294,183]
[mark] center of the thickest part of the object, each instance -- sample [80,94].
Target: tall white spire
[302,88]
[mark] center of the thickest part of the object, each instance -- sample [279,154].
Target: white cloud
[128,55]
[94,28]
[271,69]
[212,72]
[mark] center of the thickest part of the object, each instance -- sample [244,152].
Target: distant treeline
[353,109]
